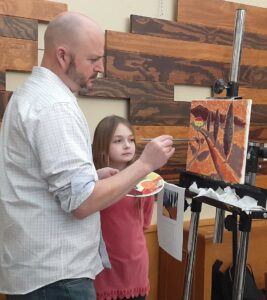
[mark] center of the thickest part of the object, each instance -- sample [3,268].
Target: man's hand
[106,172]
[157,152]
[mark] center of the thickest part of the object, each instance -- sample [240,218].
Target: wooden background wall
[145,64]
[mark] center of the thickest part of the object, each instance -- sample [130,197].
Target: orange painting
[218,137]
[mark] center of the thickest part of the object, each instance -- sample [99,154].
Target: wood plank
[122,89]
[17,54]
[19,28]
[261,181]
[138,43]
[2,80]
[258,96]
[258,114]
[4,98]
[159,112]
[220,13]
[41,10]
[153,255]
[142,67]
[154,131]
[193,32]
[171,173]
[146,67]
[258,133]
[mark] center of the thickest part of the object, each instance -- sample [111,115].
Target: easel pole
[239,253]
[191,247]
[232,89]
[240,268]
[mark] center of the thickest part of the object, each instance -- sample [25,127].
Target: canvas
[218,138]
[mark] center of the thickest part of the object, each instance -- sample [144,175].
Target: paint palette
[150,185]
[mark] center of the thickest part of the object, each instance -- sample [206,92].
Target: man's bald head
[69,29]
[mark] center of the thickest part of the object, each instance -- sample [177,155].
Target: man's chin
[85,89]
[90,84]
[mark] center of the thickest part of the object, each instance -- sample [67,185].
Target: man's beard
[76,77]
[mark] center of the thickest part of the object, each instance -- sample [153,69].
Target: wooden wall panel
[20,28]
[2,80]
[159,112]
[153,254]
[138,43]
[220,13]
[142,67]
[149,131]
[4,98]
[17,54]
[123,89]
[193,32]
[41,10]
[258,133]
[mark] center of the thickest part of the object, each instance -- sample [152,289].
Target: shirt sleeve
[148,211]
[62,143]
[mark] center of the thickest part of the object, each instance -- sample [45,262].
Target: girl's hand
[106,172]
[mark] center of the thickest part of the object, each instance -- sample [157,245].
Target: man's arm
[109,190]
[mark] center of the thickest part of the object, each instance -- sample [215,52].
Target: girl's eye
[117,141]
[132,140]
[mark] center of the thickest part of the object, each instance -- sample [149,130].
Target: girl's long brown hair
[102,139]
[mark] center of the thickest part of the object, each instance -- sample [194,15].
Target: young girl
[123,223]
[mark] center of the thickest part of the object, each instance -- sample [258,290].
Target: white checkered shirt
[46,171]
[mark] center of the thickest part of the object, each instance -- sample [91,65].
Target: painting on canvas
[218,137]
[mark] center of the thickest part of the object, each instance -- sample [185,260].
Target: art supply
[174,140]
[150,185]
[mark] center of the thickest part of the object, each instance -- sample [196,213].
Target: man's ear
[63,57]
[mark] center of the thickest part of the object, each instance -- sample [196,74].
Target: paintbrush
[174,140]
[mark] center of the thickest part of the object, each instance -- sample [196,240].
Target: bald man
[50,193]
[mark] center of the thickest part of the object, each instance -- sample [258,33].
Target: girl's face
[122,147]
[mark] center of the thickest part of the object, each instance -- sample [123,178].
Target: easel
[245,220]
[238,217]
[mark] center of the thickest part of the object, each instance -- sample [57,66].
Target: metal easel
[245,219]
